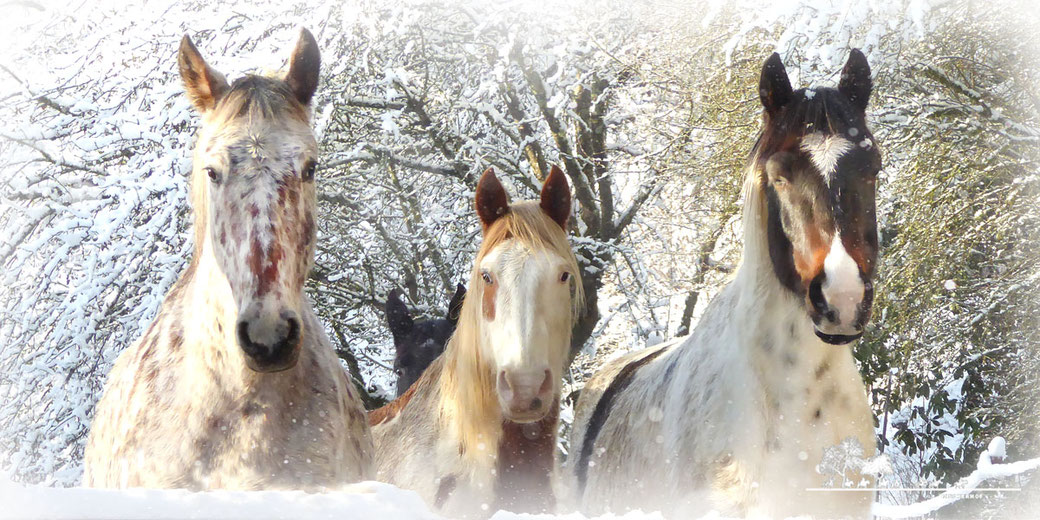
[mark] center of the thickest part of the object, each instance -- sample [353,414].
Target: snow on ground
[364,500]
[964,487]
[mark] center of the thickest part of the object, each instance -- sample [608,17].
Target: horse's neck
[775,330]
[509,459]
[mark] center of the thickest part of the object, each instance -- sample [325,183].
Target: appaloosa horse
[418,343]
[235,385]
[761,403]
[477,432]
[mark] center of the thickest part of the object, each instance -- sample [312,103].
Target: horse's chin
[837,339]
[524,418]
[273,364]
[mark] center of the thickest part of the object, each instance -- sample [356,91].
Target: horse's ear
[556,197]
[774,87]
[397,315]
[455,305]
[492,199]
[203,84]
[855,80]
[303,68]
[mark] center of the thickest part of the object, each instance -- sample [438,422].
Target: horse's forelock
[527,223]
[259,97]
[811,111]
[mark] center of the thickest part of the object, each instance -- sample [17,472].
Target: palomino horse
[744,415]
[418,343]
[477,432]
[235,384]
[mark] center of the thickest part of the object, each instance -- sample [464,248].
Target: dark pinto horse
[418,343]
[763,401]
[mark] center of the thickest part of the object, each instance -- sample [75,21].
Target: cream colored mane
[467,384]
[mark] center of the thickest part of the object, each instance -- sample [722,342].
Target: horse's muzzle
[525,396]
[270,345]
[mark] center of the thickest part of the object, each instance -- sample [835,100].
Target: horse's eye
[779,182]
[565,276]
[487,278]
[212,174]
[399,372]
[308,171]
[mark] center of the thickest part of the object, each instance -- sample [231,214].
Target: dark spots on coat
[176,338]
[822,370]
[817,414]
[444,489]
[829,395]
[773,444]
[308,229]
[766,346]
[792,331]
[672,362]
[250,409]
[845,402]
[254,210]
[265,266]
[790,359]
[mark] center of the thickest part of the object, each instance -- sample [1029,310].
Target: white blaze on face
[842,287]
[530,331]
[825,151]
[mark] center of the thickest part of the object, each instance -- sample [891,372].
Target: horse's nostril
[242,331]
[536,404]
[816,298]
[294,331]
[547,383]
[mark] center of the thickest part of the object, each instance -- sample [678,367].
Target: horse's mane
[467,383]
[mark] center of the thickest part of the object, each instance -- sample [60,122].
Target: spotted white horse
[235,385]
[763,401]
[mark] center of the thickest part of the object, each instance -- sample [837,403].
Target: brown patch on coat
[267,274]
[822,369]
[488,301]
[390,410]
[525,464]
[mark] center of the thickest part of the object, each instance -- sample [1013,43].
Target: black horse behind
[417,344]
